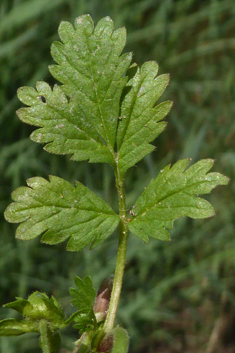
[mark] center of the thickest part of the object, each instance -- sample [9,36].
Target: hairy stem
[121,255]
[44,339]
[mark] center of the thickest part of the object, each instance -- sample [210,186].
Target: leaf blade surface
[80,117]
[58,210]
[83,299]
[173,194]
[92,70]
[141,121]
[83,295]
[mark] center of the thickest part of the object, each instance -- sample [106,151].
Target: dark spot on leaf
[42,99]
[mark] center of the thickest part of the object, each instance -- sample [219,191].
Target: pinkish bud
[102,300]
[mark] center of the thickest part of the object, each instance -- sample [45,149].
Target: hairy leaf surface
[173,194]
[62,128]
[81,117]
[141,121]
[58,210]
[92,69]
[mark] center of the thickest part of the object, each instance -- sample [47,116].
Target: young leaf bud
[102,300]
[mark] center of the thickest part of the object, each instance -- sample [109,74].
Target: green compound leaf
[96,109]
[141,121]
[58,210]
[173,195]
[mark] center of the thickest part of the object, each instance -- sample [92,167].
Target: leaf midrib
[174,193]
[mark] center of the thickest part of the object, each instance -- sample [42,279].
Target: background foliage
[175,294]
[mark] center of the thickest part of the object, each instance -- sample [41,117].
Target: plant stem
[121,255]
[44,340]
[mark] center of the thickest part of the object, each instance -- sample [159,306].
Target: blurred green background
[177,296]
